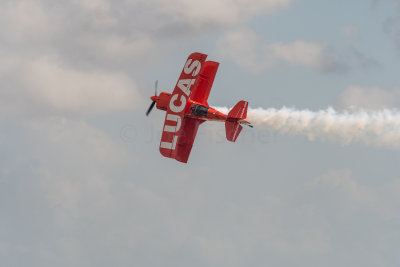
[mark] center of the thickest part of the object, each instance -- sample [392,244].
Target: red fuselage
[193,109]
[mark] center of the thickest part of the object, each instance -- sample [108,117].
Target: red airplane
[187,108]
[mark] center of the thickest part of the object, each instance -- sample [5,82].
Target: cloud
[65,170]
[243,47]
[23,20]
[76,137]
[72,195]
[67,89]
[211,15]
[247,49]
[75,165]
[348,196]
[358,60]
[369,97]
[90,33]
[100,31]
[86,56]
[46,85]
[341,181]
[310,54]
[79,198]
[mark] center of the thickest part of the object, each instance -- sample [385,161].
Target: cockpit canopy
[199,110]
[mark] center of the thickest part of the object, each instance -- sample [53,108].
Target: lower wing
[186,139]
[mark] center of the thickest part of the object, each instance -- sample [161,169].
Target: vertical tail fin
[235,117]
[239,111]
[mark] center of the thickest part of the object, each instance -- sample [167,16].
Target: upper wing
[175,115]
[202,88]
[186,139]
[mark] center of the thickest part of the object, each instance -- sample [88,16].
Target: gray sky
[82,182]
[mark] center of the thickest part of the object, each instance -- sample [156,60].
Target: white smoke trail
[375,128]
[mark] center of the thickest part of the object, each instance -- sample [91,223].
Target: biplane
[187,107]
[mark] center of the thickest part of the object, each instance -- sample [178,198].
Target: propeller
[154,102]
[150,108]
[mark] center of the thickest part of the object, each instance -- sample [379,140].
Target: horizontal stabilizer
[233,130]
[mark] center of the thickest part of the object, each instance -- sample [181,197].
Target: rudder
[239,111]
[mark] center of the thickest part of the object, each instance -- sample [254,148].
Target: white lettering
[190,67]
[185,85]
[168,145]
[173,118]
[173,107]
